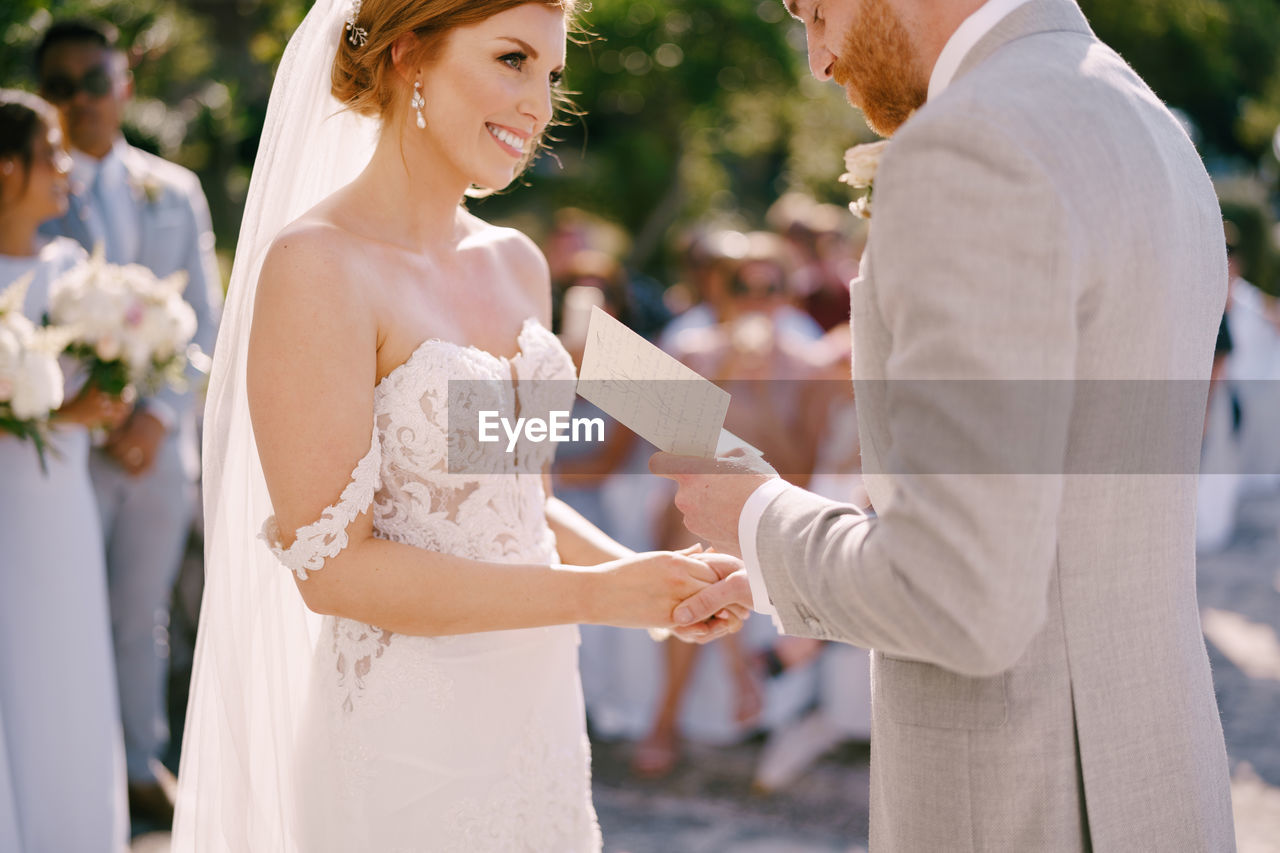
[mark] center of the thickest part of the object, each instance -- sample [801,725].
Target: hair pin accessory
[356,36]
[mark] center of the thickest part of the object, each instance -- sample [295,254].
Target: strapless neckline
[528,325]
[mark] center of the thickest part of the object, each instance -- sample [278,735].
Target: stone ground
[707,805]
[1240,610]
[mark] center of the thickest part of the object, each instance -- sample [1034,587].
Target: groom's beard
[877,68]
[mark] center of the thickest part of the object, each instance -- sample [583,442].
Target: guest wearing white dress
[61,754]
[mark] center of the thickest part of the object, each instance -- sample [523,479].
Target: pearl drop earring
[418,103]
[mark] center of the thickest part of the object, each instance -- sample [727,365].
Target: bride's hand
[642,590]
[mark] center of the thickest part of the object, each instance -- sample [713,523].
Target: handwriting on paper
[648,391]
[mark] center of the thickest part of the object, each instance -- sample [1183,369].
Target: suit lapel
[1038,16]
[139,180]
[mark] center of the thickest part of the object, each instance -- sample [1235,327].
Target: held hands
[710,495]
[642,590]
[718,609]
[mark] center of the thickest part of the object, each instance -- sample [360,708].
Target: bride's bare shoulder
[311,288]
[313,238]
[515,253]
[314,255]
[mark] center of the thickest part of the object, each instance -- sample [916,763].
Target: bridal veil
[255,641]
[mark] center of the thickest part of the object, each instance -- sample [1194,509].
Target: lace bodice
[430,483]
[476,742]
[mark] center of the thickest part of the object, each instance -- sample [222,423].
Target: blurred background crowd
[694,198]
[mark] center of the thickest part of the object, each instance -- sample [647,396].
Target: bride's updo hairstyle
[364,74]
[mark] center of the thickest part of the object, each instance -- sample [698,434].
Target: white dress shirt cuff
[748,522]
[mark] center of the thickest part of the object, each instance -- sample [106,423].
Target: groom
[1041,224]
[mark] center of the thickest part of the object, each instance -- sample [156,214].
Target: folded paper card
[648,391]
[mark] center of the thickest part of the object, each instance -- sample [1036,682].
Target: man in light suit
[1041,226]
[140,209]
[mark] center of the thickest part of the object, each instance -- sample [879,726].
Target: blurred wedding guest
[827,241]
[767,371]
[575,232]
[708,259]
[608,483]
[61,756]
[1218,485]
[842,710]
[599,271]
[1253,371]
[139,209]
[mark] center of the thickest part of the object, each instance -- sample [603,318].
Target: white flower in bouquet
[37,386]
[31,382]
[160,322]
[132,327]
[860,165]
[91,297]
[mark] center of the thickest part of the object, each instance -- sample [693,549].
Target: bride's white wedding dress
[470,743]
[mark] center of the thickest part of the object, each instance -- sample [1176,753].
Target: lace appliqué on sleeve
[327,536]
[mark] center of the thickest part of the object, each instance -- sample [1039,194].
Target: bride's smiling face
[488,94]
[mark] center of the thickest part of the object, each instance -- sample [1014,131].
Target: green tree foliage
[1214,59]
[1252,224]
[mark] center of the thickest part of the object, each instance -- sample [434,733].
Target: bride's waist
[472,648]
[497,540]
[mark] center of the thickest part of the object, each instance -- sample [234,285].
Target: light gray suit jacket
[175,234]
[1042,228]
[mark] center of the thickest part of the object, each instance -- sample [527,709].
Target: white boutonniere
[860,165]
[148,188]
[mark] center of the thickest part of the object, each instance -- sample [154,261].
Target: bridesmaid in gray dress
[61,753]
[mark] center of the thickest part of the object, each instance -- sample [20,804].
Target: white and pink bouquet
[31,383]
[131,328]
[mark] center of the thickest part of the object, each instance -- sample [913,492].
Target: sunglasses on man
[60,88]
[759,288]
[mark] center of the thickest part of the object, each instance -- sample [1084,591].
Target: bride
[436,704]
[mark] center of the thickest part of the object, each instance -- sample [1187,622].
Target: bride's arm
[311,375]
[579,542]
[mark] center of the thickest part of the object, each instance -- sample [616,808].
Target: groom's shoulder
[1017,83]
[163,173]
[1046,81]
[1065,99]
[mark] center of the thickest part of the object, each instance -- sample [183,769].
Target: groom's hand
[716,610]
[712,492]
